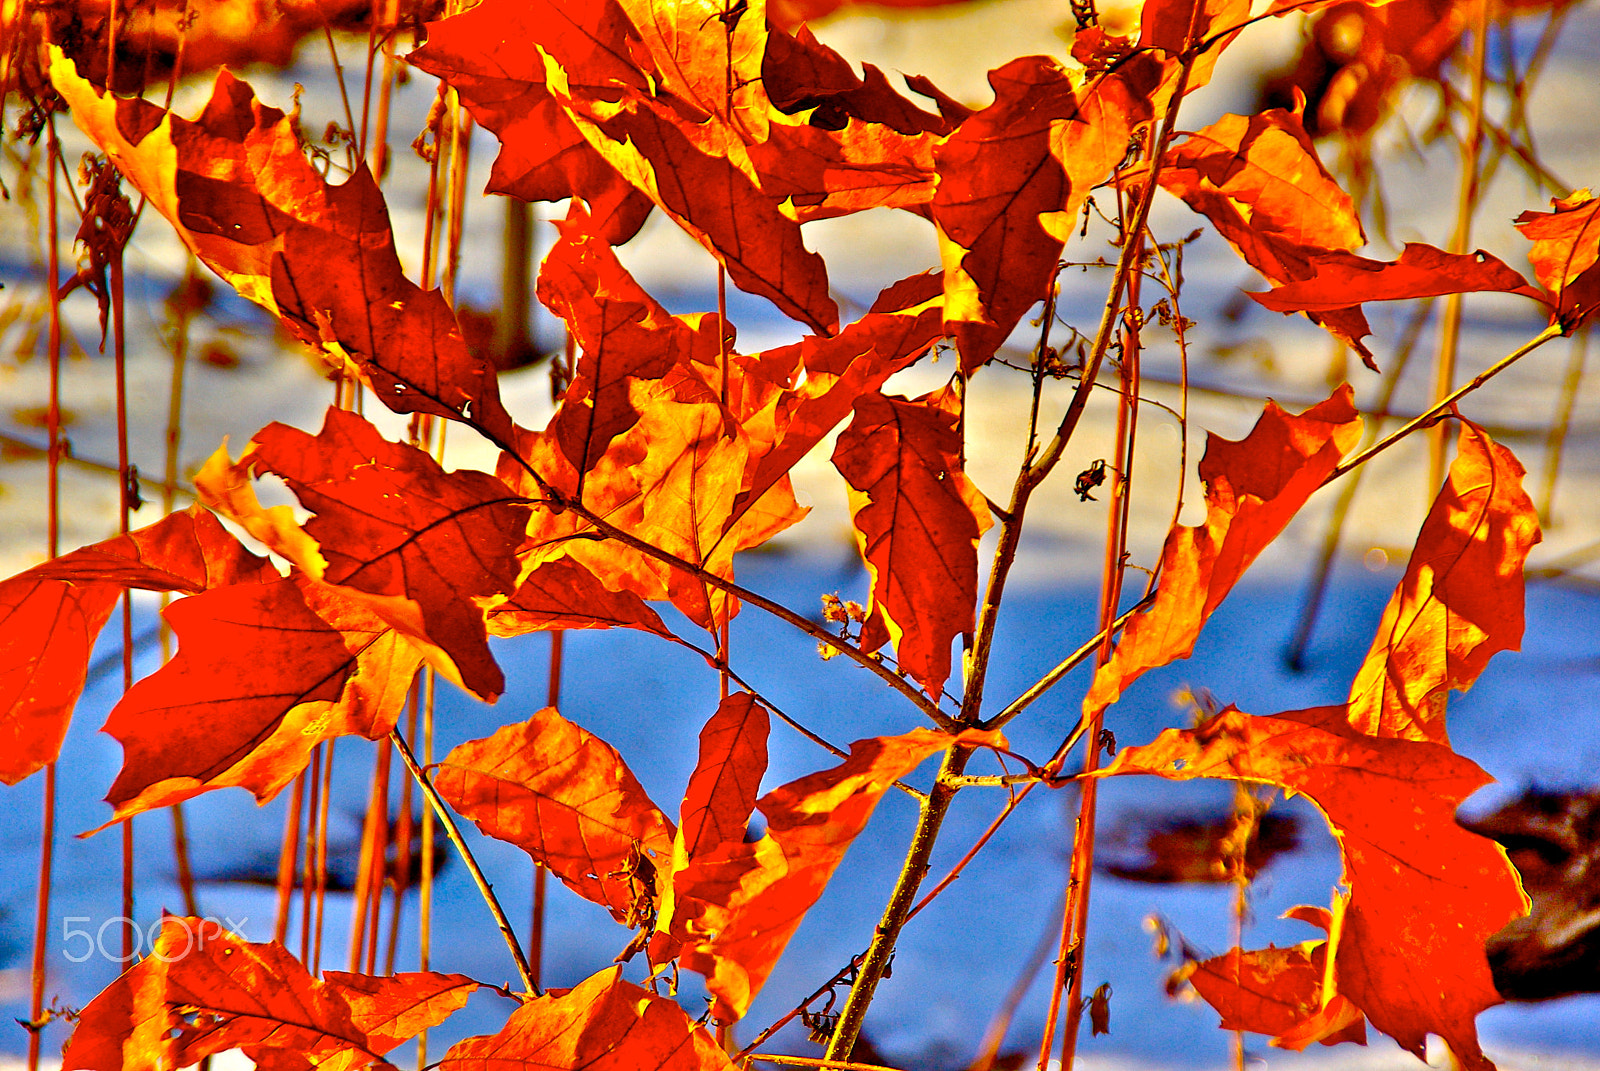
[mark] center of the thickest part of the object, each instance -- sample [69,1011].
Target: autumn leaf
[603,1024]
[543,157]
[563,594]
[1460,600]
[1177,26]
[565,797]
[203,990]
[737,907]
[263,673]
[1566,246]
[1258,180]
[1253,488]
[722,790]
[425,549]
[918,520]
[1342,279]
[238,189]
[1278,992]
[801,74]
[1424,893]
[51,615]
[1001,173]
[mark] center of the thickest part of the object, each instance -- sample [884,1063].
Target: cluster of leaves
[670,453]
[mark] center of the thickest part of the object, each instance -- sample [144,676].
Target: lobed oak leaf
[1253,488]
[203,991]
[240,193]
[1278,992]
[482,53]
[832,372]
[1424,893]
[565,797]
[1566,247]
[819,173]
[918,519]
[698,172]
[426,549]
[1258,180]
[800,73]
[51,614]
[1460,600]
[603,1024]
[1339,279]
[264,672]
[1007,178]
[738,906]
[709,55]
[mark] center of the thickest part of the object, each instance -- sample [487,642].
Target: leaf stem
[484,888]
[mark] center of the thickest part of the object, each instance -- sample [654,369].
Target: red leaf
[1011,180]
[918,520]
[263,673]
[565,797]
[562,594]
[1566,247]
[605,1024]
[738,907]
[1278,991]
[1460,601]
[1425,894]
[240,193]
[1253,488]
[51,614]
[722,790]
[204,991]
[1337,280]
[424,548]
[1258,180]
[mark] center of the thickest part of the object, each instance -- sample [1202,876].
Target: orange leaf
[800,73]
[999,176]
[1278,991]
[722,790]
[1253,488]
[565,797]
[482,54]
[1424,894]
[738,907]
[263,673]
[604,1024]
[918,520]
[563,594]
[51,614]
[1176,26]
[1343,279]
[1258,180]
[1460,601]
[424,548]
[240,193]
[204,991]
[1566,247]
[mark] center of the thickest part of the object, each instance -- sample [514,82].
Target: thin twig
[1436,410]
[484,888]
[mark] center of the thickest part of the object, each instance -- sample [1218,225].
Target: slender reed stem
[1460,241]
[308,880]
[1557,440]
[995,1035]
[47,821]
[484,888]
[322,854]
[286,858]
[124,508]
[1311,606]
[425,881]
